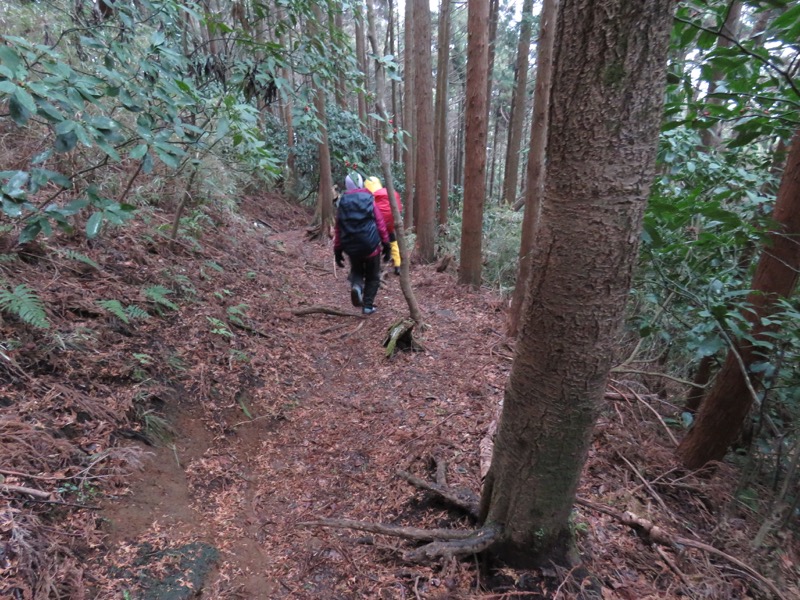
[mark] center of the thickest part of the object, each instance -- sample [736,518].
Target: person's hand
[387,252]
[339,259]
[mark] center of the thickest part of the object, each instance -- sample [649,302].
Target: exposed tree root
[466,500]
[659,536]
[443,543]
[325,310]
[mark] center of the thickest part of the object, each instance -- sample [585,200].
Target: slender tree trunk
[536,170]
[393,52]
[725,408]
[386,167]
[518,98]
[605,113]
[494,15]
[324,211]
[341,84]
[495,152]
[361,59]
[469,271]
[425,186]
[442,77]
[409,121]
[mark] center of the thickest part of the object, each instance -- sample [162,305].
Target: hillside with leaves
[185,391]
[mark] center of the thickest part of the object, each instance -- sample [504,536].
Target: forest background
[114,111]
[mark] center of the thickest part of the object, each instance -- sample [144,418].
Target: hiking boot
[397,271]
[368,310]
[356,295]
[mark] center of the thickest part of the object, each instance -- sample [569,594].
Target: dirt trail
[332,420]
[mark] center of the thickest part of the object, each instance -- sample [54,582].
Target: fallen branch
[18,489]
[311,310]
[659,536]
[347,334]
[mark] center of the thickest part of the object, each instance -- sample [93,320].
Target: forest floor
[183,455]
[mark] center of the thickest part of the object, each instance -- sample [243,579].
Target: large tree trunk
[535,181]
[425,186]
[469,271]
[409,121]
[728,402]
[515,127]
[608,88]
[442,138]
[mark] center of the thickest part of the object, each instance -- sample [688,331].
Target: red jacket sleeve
[382,231]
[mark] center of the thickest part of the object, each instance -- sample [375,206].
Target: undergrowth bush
[502,229]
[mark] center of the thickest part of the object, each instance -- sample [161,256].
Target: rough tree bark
[409,120]
[607,95]
[425,180]
[729,400]
[442,138]
[515,127]
[536,156]
[469,271]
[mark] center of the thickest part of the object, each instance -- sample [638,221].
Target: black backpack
[358,232]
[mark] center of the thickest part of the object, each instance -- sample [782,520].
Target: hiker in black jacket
[360,232]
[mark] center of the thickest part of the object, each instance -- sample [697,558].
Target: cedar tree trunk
[728,402]
[605,113]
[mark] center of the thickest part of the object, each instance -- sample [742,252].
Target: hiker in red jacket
[360,232]
[381,194]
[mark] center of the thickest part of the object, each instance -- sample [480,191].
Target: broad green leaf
[7,87]
[19,114]
[66,142]
[787,19]
[9,58]
[25,99]
[138,152]
[93,225]
[31,231]
[12,209]
[168,159]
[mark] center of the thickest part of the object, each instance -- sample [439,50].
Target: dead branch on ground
[325,310]
[657,535]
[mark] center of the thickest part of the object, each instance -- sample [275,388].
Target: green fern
[25,304]
[72,255]
[122,312]
[158,294]
[137,312]
[214,265]
[237,313]
[115,308]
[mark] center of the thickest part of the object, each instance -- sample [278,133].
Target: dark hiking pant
[366,272]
